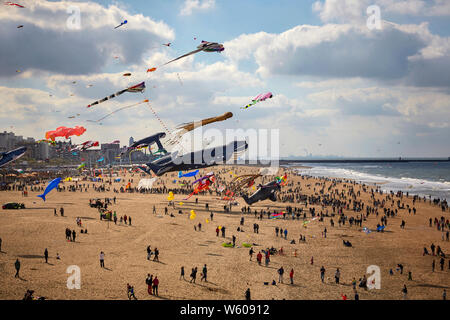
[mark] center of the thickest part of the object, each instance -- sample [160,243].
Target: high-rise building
[131,141]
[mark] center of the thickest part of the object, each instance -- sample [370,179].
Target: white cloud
[45,42]
[190,6]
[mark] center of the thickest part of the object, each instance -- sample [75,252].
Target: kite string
[164,126]
[159,119]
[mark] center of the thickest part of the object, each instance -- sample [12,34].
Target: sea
[430,179]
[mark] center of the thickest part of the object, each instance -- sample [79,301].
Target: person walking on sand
[129,220]
[17,266]
[155,286]
[217,231]
[149,252]
[291,276]
[285,233]
[247,294]
[182,273]
[130,292]
[433,264]
[250,253]
[444,295]
[74,235]
[46,255]
[102,259]
[156,258]
[204,274]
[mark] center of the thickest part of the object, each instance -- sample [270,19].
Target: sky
[342,84]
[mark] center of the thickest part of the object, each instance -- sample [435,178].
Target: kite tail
[42,196]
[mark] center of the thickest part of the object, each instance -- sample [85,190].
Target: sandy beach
[26,233]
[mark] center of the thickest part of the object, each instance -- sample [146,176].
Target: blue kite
[121,24]
[189,174]
[101,159]
[52,185]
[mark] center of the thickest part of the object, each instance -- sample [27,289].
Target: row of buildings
[42,151]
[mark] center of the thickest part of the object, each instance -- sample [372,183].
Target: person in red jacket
[155,286]
[291,276]
[259,257]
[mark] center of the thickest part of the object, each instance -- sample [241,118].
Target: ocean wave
[412,185]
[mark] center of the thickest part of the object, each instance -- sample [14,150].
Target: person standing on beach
[217,231]
[149,282]
[322,273]
[74,234]
[156,258]
[0,244]
[54,212]
[61,211]
[17,266]
[444,295]
[149,252]
[247,294]
[405,292]
[182,273]
[102,259]
[46,255]
[442,262]
[250,253]
[291,276]
[234,240]
[259,257]
[155,286]
[285,233]
[129,220]
[280,274]
[432,266]
[337,275]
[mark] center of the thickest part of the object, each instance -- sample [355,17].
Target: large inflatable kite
[7,157]
[65,132]
[267,191]
[189,126]
[52,185]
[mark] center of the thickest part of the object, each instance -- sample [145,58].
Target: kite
[189,126]
[204,46]
[264,192]
[65,132]
[9,3]
[151,69]
[52,185]
[127,74]
[85,145]
[146,183]
[101,159]
[228,196]
[71,117]
[170,197]
[189,174]
[202,186]
[21,26]
[126,107]
[276,215]
[115,141]
[258,98]
[7,157]
[121,24]
[193,215]
[140,87]
[81,166]
[244,181]
[167,44]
